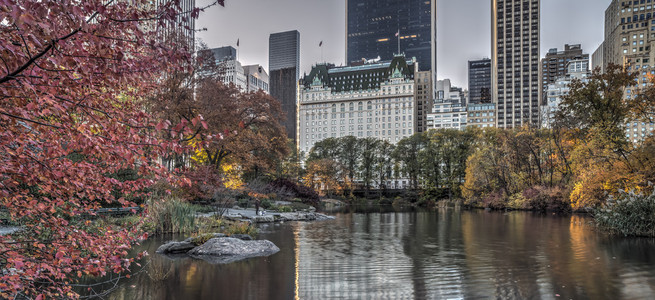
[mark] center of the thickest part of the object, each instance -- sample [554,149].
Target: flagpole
[320,45]
[398,33]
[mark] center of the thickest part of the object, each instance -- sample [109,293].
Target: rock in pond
[263,219]
[304,216]
[227,250]
[176,247]
[243,237]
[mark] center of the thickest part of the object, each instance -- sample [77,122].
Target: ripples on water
[444,254]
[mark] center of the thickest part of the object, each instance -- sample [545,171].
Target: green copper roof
[356,78]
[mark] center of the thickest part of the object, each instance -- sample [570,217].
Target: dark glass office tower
[371,27]
[480,81]
[284,67]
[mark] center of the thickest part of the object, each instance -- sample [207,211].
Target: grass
[241,228]
[170,215]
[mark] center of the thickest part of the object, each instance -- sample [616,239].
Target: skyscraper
[515,61]
[284,67]
[480,81]
[183,28]
[374,28]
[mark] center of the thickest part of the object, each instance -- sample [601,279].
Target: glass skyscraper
[284,66]
[372,25]
[480,81]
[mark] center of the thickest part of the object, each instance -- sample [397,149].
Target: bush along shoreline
[628,214]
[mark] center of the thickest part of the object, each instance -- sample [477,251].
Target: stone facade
[372,100]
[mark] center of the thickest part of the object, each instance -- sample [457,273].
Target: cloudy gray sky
[464,29]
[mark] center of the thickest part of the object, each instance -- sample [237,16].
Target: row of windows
[360,121]
[314,137]
[311,116]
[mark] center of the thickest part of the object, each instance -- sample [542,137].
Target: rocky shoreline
[250,216]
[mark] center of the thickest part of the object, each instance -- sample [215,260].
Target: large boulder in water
[227,250]
[175,247]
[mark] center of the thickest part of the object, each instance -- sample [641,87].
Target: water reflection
[442,254]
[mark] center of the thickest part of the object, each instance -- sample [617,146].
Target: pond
[441,254]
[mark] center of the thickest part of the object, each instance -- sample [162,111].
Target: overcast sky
[464,29]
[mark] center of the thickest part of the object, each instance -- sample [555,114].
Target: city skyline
[460,37]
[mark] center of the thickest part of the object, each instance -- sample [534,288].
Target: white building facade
[448,115]
[256,78]
[372,100]
[246,78]
[449,109]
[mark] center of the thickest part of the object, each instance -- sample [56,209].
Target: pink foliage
[72,76]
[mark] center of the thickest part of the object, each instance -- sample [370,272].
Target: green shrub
[266,204]
[628,214]
[243,202]
[431,195]
[298,206]
[284,209]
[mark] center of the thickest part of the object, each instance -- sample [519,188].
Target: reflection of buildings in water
[360,256]
[437,271]
[296,262]
[380,256]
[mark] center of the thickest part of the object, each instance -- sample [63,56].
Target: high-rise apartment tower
[515,62]
[629,36]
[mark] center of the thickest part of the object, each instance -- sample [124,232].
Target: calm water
[443,254]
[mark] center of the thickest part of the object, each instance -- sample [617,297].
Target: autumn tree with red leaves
[246,126]
[72,78]
[239,128]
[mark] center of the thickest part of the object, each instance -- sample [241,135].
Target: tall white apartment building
[515,62]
